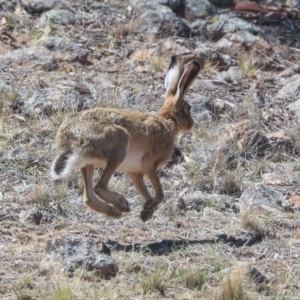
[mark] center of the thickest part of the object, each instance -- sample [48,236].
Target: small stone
[83,254]
[37,6]
[33,215]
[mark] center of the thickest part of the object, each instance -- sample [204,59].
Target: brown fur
[129,141]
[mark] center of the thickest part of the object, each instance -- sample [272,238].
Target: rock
[218,26]
[295,107]
[222,3]
[156,19]
[8,5]
[83,254]
[33,57]
[160,25]
[232,75]
[281,178]
[256,47]
[211,212]
[195,9]
[292,203]
[21,154]
[253,143]
[37,6]
[280,141]
[218,106]
[175,44]
[292,3]
[203,118]
[262,199]
[286,181]
[35,216]
[221,61]
[49,100]
[250,141]
[290,89]
[257,277]
[58,16]
[180,205]
[225,155]
[66,49]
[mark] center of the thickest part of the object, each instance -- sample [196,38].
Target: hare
[128,141]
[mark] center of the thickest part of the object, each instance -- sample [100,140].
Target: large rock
[59,16]
[34,56]
[253,143]
[156,19]
[222,61]
[83,254]
[37,6]
[295,107]
[195,9]
[35,215]
[160,25]
[49,100]
[8,5]
[218,26]
[256,47]
[290,89]
[261,199]
[66,49]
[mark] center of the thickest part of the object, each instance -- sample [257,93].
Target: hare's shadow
[167,246]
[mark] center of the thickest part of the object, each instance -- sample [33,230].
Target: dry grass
[159,280]
[245,63]
[232,183]
[63,292]
[210,67]
[233,286]
[249,220]
[158,64]
[191,277]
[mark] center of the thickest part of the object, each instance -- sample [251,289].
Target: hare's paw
[112,212]
[146,214]
[122,204]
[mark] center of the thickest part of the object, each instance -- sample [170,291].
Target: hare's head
[177,83]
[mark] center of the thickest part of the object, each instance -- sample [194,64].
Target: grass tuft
[247,66]
[158,64]
[63,292]
[250,220]
[191,277]
[232,288]
[232,183]
[159,280]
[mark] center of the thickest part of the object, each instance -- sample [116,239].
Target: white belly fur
[131,163]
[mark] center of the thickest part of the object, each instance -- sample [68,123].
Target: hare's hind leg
[151,203]
[101,188]
[91,199]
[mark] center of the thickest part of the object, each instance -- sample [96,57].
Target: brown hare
[127,141]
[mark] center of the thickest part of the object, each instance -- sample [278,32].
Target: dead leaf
[295,199]
[273,182]
[18,11]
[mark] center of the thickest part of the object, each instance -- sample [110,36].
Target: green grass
[63,292]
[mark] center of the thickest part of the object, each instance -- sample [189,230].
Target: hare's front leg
[151,203]
[91,199]
[101,188]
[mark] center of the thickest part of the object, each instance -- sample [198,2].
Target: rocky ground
[229,227]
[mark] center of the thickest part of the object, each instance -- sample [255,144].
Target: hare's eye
[187,108]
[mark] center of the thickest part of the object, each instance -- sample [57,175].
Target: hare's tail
[63,164]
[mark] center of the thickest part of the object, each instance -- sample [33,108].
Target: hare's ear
[187,79]
[174,73]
